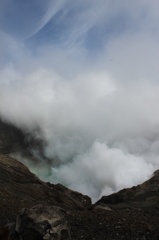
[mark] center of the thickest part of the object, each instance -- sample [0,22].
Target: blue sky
[85,73]
[81,30]
[90,25]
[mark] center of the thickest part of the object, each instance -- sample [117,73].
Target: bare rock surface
[42,222]
[118,224]
[145,195]
[19,188]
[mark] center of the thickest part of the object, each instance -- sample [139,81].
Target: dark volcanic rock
[42,222]
[19,188]
[14,140]
[11,138]
[118,224]
[130,214]
[145,195]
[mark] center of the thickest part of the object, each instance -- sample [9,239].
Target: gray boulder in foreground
[42,222]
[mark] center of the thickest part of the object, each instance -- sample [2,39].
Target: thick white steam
[100,137]
[83,77]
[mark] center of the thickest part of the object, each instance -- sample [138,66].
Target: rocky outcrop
[42,222]
[19,188]
[145,195]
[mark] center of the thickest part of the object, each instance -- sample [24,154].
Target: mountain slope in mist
[11,139]
[20,188]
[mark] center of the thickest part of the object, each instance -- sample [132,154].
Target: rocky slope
[65,214]
[20,188]
[145,195]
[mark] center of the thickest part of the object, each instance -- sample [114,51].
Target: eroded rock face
[43,222]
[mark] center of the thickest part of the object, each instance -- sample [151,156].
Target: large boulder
[42,222]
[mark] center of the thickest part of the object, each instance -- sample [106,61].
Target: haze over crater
[83,77]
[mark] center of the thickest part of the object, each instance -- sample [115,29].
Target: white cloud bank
[96,109]
[100,138]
